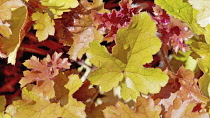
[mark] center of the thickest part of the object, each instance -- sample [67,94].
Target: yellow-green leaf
[203,49]
[135,46]
[73,84]
[57,7]
[44,25]
[183,11]
[207,34]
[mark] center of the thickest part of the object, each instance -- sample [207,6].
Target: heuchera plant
[104,59]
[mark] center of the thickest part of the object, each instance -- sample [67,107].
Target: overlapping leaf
[13,33]
[44,25]
[135,47]
[58,7]
[81,42]
[183,11]
[35,105]
[181,95]
[201,50]
[183,109]
[144,108]
[43,73]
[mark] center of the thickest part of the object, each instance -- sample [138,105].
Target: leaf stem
[164,57]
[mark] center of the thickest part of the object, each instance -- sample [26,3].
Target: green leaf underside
[135,46]
[183,11]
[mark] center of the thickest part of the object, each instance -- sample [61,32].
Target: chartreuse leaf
[135,46]
[44,25]
[35,105]
[183,11]
[203,49]
[207,34]
[57,7]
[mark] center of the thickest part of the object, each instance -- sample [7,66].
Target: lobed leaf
[202,50]
[183,109]
[58,7]
[37,106]
[144,108]
[43,72]
[181,96]
[44,25]
[135,46]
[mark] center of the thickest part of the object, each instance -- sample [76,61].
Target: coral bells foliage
[47,68]
[116,19]
[134,62]
[173,32]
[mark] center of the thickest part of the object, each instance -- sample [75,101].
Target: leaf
[44,25]
[87,92]
[181,85]
[6,14]
[203,11]
[2,103]
[202,49]
[43,72]
[144,108]
[181,109]
[35,105]
[58,7]
[207,34]
[61,92]
[183,11]
[11,45]
[124,66]
[5,30]
[5,8]
[81,42]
